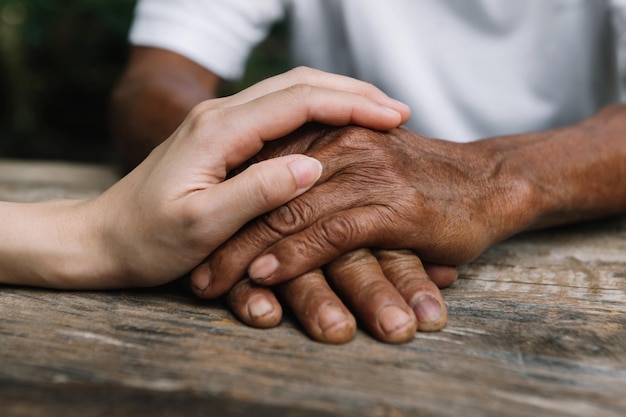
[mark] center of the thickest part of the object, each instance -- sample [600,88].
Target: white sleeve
[217,34]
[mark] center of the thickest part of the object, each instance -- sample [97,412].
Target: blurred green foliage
[59,61]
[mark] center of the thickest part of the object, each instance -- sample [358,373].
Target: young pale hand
[168,214]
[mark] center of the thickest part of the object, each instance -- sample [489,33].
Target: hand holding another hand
[181,206]
[445,201]
[364,170]
[167,215]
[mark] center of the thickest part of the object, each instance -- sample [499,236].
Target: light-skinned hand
[176,207]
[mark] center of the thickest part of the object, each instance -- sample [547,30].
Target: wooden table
[537,328]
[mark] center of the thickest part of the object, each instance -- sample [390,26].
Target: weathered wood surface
[537,328]
[36,181]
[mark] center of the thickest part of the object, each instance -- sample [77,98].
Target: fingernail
[263,267]
[330,315]
[392,318]
[427,309]
[306,171]
[259,307]
[201,280]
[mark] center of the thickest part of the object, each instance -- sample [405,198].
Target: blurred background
[58,63]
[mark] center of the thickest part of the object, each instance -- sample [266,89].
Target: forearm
[51,244]
[153,97]
[563,175]
[143,115]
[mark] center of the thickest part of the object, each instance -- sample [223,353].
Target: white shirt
[469,69]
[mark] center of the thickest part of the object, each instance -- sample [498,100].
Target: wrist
[53,244]
[515,200]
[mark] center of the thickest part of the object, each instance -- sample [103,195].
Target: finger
[322,314]
[230,261]
[323,241]
[254,305]
[257,190]
[260,188]
[359,279]
[442,275]
[405,271]
[277,114]
[316,78]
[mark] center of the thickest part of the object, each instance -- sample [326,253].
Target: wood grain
[537,328]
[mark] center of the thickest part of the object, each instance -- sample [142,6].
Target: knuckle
[355,257]
[377,289]
[351,263]
[302,73]
[365,141]
[337,229]
[308,250]
[199,111]
[370,88]
[288,218]
[257,236]
[399,259]
[301,91]
[230,260]
[300,97]
[202,116]
[411,281]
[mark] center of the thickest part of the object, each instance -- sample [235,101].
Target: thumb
[261,188]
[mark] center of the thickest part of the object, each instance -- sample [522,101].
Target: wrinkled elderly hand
[368,282]
[445,201]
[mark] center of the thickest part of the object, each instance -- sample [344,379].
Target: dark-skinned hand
[391,292]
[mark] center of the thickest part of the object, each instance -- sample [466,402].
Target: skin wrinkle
[404,271]
[289,218]
[382,181]
[357,268]
[338,226]
[193,94]
[314,288]
[523,187]
[372,181]
[221,261]
[373,200]
[284,216]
